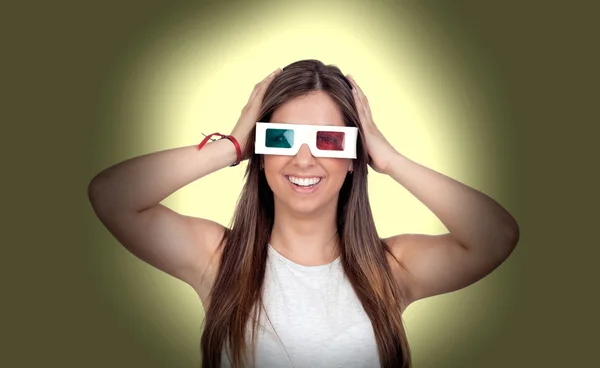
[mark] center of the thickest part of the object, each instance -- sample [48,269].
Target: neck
[309,240]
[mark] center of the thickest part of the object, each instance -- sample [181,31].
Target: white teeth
[304,182]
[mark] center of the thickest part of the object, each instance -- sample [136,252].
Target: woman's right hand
[250,112]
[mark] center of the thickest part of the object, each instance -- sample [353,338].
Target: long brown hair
[237,289]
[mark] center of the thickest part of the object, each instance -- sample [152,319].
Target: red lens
[330,141]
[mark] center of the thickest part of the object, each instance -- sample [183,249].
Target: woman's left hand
[380,151]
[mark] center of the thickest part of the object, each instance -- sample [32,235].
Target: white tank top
[317,315]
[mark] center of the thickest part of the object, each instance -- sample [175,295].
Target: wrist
[238,148]
[232,139]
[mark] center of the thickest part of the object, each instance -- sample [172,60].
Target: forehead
[317,108]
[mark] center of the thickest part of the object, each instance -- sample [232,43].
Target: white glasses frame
[306,134]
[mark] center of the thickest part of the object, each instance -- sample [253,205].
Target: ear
[351,166]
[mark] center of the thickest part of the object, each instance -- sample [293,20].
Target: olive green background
[61,64]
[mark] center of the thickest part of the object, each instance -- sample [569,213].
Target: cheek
[274,164]
[335,167]
[273,167]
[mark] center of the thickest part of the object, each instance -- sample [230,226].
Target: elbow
[510,239]
[504,241]
[92,189]
[515,235]
[96,190]
[107,198]
[513,232]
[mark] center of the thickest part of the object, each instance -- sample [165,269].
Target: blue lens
[279,138]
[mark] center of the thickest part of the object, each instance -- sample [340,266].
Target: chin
[303,207]
[309,205]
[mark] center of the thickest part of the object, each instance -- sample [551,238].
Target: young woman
[301,278]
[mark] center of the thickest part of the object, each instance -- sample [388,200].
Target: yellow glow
[199,76]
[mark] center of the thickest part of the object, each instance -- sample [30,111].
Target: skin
[304,227]
[481,233]
[126,197]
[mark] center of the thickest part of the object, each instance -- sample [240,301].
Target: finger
[260,86]
[357,99]
[354,84]
[356,89]
[360,107]
[253,94]
[351,80]
[269,78]
[360,103]
[367,108]
[364,102]
[363,97]
[361,94]
[265,80]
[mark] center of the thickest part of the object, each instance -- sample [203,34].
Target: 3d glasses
[323,140]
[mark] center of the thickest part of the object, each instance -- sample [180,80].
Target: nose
[304,157]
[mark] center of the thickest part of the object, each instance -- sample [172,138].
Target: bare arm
[126,198]
[482,234]
[140,183]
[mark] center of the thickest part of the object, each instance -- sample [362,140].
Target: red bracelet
[231,138]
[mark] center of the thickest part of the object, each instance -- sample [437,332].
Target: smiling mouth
[304,182]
